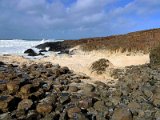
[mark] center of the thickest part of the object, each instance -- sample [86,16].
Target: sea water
[18,46]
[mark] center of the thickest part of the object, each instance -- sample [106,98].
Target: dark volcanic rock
[53,46]
[1,63]
[30,52]
[46,91]
[43,51]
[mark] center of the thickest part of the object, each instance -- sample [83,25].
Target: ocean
[18,46]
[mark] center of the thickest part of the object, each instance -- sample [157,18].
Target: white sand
[81,61]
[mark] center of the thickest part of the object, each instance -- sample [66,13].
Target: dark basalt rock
[1,63]
[46,91]
[31,52]
[43,51]
[53,46]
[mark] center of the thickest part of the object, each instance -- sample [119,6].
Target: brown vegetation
[141,41]
[100,66]
[155,55]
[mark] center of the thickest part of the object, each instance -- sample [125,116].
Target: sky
[74,19]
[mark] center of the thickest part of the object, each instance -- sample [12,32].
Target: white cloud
[83,17]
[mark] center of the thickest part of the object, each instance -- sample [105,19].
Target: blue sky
[74,19]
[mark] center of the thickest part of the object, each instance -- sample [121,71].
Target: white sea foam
[17,46]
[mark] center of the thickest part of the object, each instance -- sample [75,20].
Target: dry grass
[141,41]
[155,55]
[100,66]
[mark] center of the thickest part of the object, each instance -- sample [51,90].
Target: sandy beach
[81,62]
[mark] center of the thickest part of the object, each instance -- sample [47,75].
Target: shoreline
[80,62]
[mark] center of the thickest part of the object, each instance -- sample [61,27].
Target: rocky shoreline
[50,92]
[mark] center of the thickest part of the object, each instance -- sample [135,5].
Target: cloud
[73,19]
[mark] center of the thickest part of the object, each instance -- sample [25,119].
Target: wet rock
[43,51]
[73,111]
[122,114]
[25,104]
[44,108]
[30,52]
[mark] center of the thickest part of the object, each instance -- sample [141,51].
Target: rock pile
[51,92]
